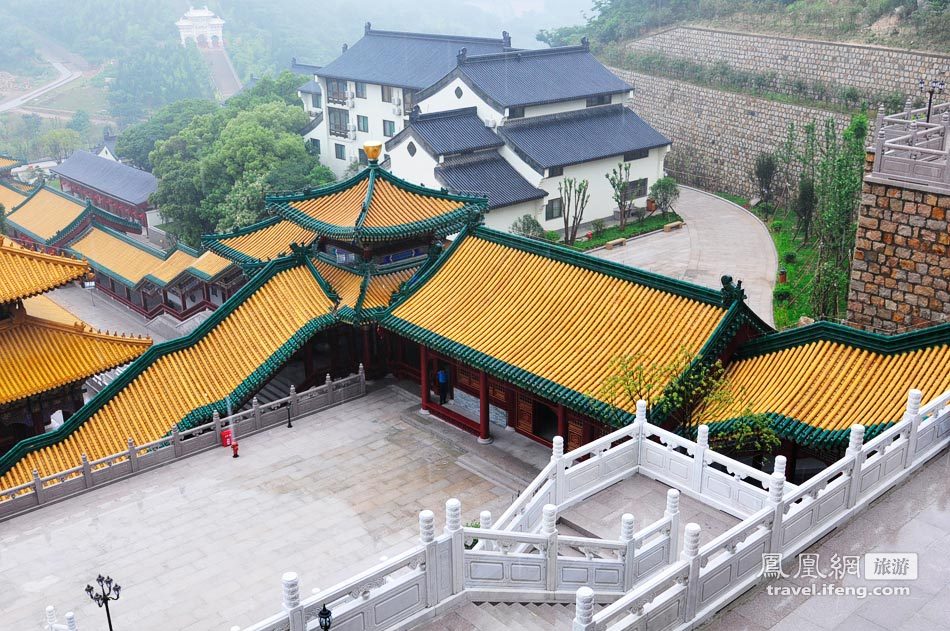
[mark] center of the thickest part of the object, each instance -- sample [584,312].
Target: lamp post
[325,618]
[935,87]
[107,592]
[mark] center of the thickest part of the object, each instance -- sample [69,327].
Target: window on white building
[555,171]
[411,148]
[637,188]
[408,100]
[636,155]
[554,209]
[362,123]
[603,99]
[338,121]
[363,159]
[389,129]
[336,91]
[515,112]
[360,90]
[339,151]
[387,94]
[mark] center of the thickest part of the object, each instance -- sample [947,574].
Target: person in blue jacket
[442,378]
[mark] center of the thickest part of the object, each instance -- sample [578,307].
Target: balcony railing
[910,149]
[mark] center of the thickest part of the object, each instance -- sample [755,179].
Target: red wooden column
[424,376]
[484,429]
[562,422]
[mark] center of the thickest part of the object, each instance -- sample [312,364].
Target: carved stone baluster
[290,590]
[628,529]
[673,512]
[584,610]
[485,522]
[453,528]
[549,530]
[691,556]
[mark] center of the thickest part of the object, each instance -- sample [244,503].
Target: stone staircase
[504,617]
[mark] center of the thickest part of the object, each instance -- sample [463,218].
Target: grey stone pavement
[914,517]
[719,238]
[102,312]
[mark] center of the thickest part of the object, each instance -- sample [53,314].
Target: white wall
[418,169]
[445,99]
[502,218]
[602,205]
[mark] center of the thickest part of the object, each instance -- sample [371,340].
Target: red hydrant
[234,450]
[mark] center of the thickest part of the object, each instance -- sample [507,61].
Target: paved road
[65,76]
[719,238]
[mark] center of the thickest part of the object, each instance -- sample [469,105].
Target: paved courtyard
[718,238]
[102,312]
[914,517]
[200,544]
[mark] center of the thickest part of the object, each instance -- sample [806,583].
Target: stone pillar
[291,601]
[453,528]
[549,530]
[485,522]
[673,512]
[855,451]
[628,529]
[691,556]
[484,421]
[427,539]
[912,417]
[584,609]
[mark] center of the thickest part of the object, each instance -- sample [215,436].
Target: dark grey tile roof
[310,87]
[452,131]
[490,175]
[409,60]
[531,77]
[301,67]
[112,178]
[580,136]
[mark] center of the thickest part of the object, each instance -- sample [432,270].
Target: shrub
[777,226]
[782,293]
[527,226]
[552,235]
[790,257]
[597,227]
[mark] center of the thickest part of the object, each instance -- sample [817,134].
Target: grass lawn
[83,94]
[792,299]
[634,228]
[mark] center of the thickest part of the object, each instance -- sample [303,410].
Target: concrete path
[65,75]
[719,238]
[226,81]
[914,517]
[201,543]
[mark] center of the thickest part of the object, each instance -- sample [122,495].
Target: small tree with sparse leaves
[619,178]
[664,192]
[574,199]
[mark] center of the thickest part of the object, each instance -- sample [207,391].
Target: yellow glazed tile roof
[559,321]
[270,242]
[831,386]
[210,264]
[345,283]
[46,213]
[390,205]
[182,381]
[37,354]
[26,273]
[6,162]
[380,288]
[174,265]
[10,197]
[46,308]
[125,259]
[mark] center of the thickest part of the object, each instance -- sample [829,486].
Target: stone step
[486,616]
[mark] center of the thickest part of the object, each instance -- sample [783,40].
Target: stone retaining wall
[716,135]
[870,69]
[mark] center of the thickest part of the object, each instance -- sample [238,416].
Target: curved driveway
[719,238]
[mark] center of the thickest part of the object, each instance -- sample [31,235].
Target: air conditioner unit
[351,135]
[350,103]
[397,101]
[397,110]
[351,95]
[491,123]
[351,127]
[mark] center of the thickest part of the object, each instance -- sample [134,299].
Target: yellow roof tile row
[345,283]
[270,242]
[380,288]
[37,354]
[211,264]
[6,162]
[46,213]
[10,197]
[126,260]
[338,209]
[553,319]
[26,273]
[832,386]
[180,382]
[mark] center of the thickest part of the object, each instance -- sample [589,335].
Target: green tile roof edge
[214,242]
[834,332]
[144,361]
[802,433]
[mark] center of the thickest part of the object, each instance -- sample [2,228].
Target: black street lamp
[325,618]
[107,592]
[936,87]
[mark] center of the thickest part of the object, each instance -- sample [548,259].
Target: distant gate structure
[203,27]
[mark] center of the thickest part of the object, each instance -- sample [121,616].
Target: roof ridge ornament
[462,55]
[731,292]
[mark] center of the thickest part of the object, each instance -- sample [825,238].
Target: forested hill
[915,24]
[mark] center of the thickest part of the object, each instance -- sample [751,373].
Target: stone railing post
[133,457]
[639,424]
[584,609]
[294,403]
[86,472]
[71,621]
[879,121]
[879,150]
[945,121]
[912,143]
[427,539]
[673,512]
[216,419]
[628,528]
[776,495]
[50,616]
[328,382]
[699,459]
[549,530]
[256,407]
[908,106]
[912,417]
[485,521]
[691,556]
[779,466]
[453,527]
[291,601]
[38,487]
[176,441]
[855,451]
[362,374]
[557,460]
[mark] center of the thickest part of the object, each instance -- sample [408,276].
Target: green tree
[574,199]
[137,141]
[619,178]
[527,226]
[59,143]
[763,176]
[80,123]
[665,192]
